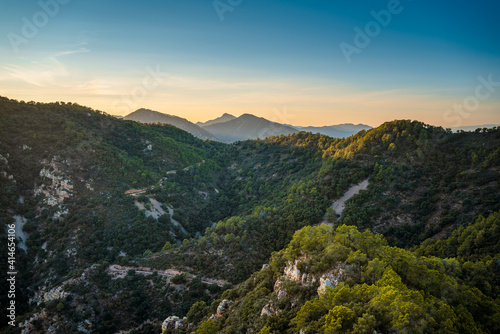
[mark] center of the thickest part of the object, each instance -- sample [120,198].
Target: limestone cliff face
[330,278]
[59,187]
[327,279]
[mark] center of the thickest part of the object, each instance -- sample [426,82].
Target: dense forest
[418,250]
[382,289]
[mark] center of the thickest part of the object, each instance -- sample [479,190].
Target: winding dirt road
[117,271]
[339,205]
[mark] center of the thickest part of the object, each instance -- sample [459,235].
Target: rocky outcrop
[4,164]
[59,189]
[27,327]
[331,279]
[56,293]
[85,326]
[223,307]
[269,309]
[172,323]
[292,272]
[328,279]
[4,159]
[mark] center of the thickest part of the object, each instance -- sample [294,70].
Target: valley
[230,129]
[249,167]
[127,224]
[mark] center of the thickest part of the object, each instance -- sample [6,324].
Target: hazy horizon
[298,125]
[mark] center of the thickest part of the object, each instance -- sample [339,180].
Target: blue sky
[277,59]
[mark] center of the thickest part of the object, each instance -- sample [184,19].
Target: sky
[296,62]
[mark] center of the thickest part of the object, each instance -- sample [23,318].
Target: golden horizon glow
[299,101]
[282,102]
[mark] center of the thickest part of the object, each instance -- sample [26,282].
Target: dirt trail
[135,192]
[118,271]
[339,205]
[156,211]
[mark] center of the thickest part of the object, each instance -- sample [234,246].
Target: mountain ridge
[338,130]
[247,126]
[151,116]
[86,187]
[224,118]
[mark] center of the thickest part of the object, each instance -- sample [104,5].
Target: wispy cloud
[70,52]
[38,73]
[43,72]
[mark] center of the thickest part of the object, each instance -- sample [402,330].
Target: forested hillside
[90,191]
[345,281]
[67,172]
[424,182]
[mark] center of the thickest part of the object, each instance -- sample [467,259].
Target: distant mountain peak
[222,119]
[144,115]
[336,131]
[247,126]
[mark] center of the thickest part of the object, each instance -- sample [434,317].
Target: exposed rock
[61,188]
[293,273]
[59,214]
[42,295]
[21,236]
[27,327]
[71,252]
[56,293]
[156,210]
[88,184]
[278,289]
[331,279]
[223,307]
[85,326]
[172,323]
[204,194]
[268,309]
